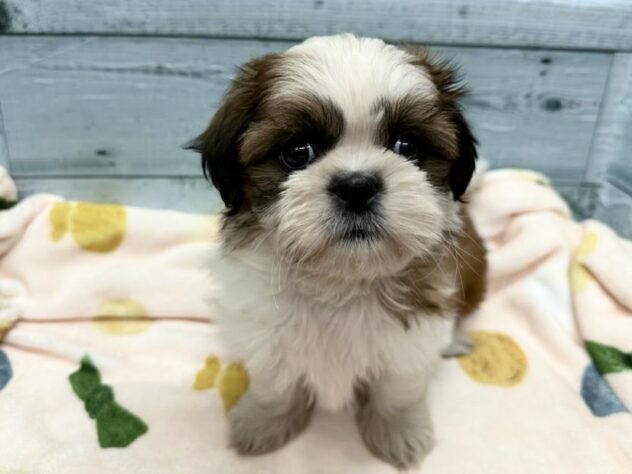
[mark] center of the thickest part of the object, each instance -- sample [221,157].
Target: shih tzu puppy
[346,253]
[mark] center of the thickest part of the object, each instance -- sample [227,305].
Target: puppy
[346,255]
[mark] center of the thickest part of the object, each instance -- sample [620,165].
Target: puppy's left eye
[407,144]
[297,153]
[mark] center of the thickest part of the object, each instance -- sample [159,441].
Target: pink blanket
[109,363]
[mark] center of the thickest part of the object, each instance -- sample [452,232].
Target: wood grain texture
[619,172]
[4,149]
[112,105]
[181,194]
[115,106]
[591,24]
[611,150]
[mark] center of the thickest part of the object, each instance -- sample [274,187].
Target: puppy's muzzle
[356,192]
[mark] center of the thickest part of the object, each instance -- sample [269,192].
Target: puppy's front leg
[394,420]
[264,419]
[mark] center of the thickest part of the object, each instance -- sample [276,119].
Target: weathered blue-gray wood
[581,198]
[610,163]
[589,24]
[613,206]
[113,106]
[611,143]
[615,200]
[619,170]
[4,150]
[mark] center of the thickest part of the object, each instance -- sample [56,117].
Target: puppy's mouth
[359,234]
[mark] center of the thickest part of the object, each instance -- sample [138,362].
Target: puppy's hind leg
[265,420]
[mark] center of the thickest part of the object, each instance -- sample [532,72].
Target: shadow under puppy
[346,255]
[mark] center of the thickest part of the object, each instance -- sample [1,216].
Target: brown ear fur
[445,77]
[463,168]
[220,143]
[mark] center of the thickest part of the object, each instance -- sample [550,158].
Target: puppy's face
[346,154]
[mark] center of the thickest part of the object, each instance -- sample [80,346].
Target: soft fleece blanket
[109,362]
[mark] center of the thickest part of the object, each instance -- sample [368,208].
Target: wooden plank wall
[123,106]
[98,97]
[4,149]
[611,158]
[573,24]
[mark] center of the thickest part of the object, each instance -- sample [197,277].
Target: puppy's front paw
[257,428]
[402,439]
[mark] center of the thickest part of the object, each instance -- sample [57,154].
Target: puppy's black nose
[357,191]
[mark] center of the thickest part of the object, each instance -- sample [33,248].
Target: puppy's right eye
[407,144]
[297,153]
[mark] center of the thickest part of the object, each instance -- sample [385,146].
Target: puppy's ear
[465,164]
[220,143]
[446,78]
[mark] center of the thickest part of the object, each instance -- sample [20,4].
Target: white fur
[284,329]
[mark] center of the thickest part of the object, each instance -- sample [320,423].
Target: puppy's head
[345,153]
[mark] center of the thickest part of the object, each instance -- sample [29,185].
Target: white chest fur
[331,337]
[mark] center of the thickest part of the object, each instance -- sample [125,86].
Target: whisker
[459,252]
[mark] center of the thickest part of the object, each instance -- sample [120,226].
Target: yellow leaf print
[205,378]
[233,383]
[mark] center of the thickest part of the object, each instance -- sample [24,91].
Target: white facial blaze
[354,73]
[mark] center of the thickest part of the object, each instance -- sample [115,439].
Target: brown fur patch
[444,74]
[260,146]
[472,265]
[320,120]
[219,143]
[275,122]
[241,146]
[451,90]
[427,291]
[435,127]
[428,282]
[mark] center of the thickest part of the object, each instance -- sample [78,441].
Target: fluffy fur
[323,305]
